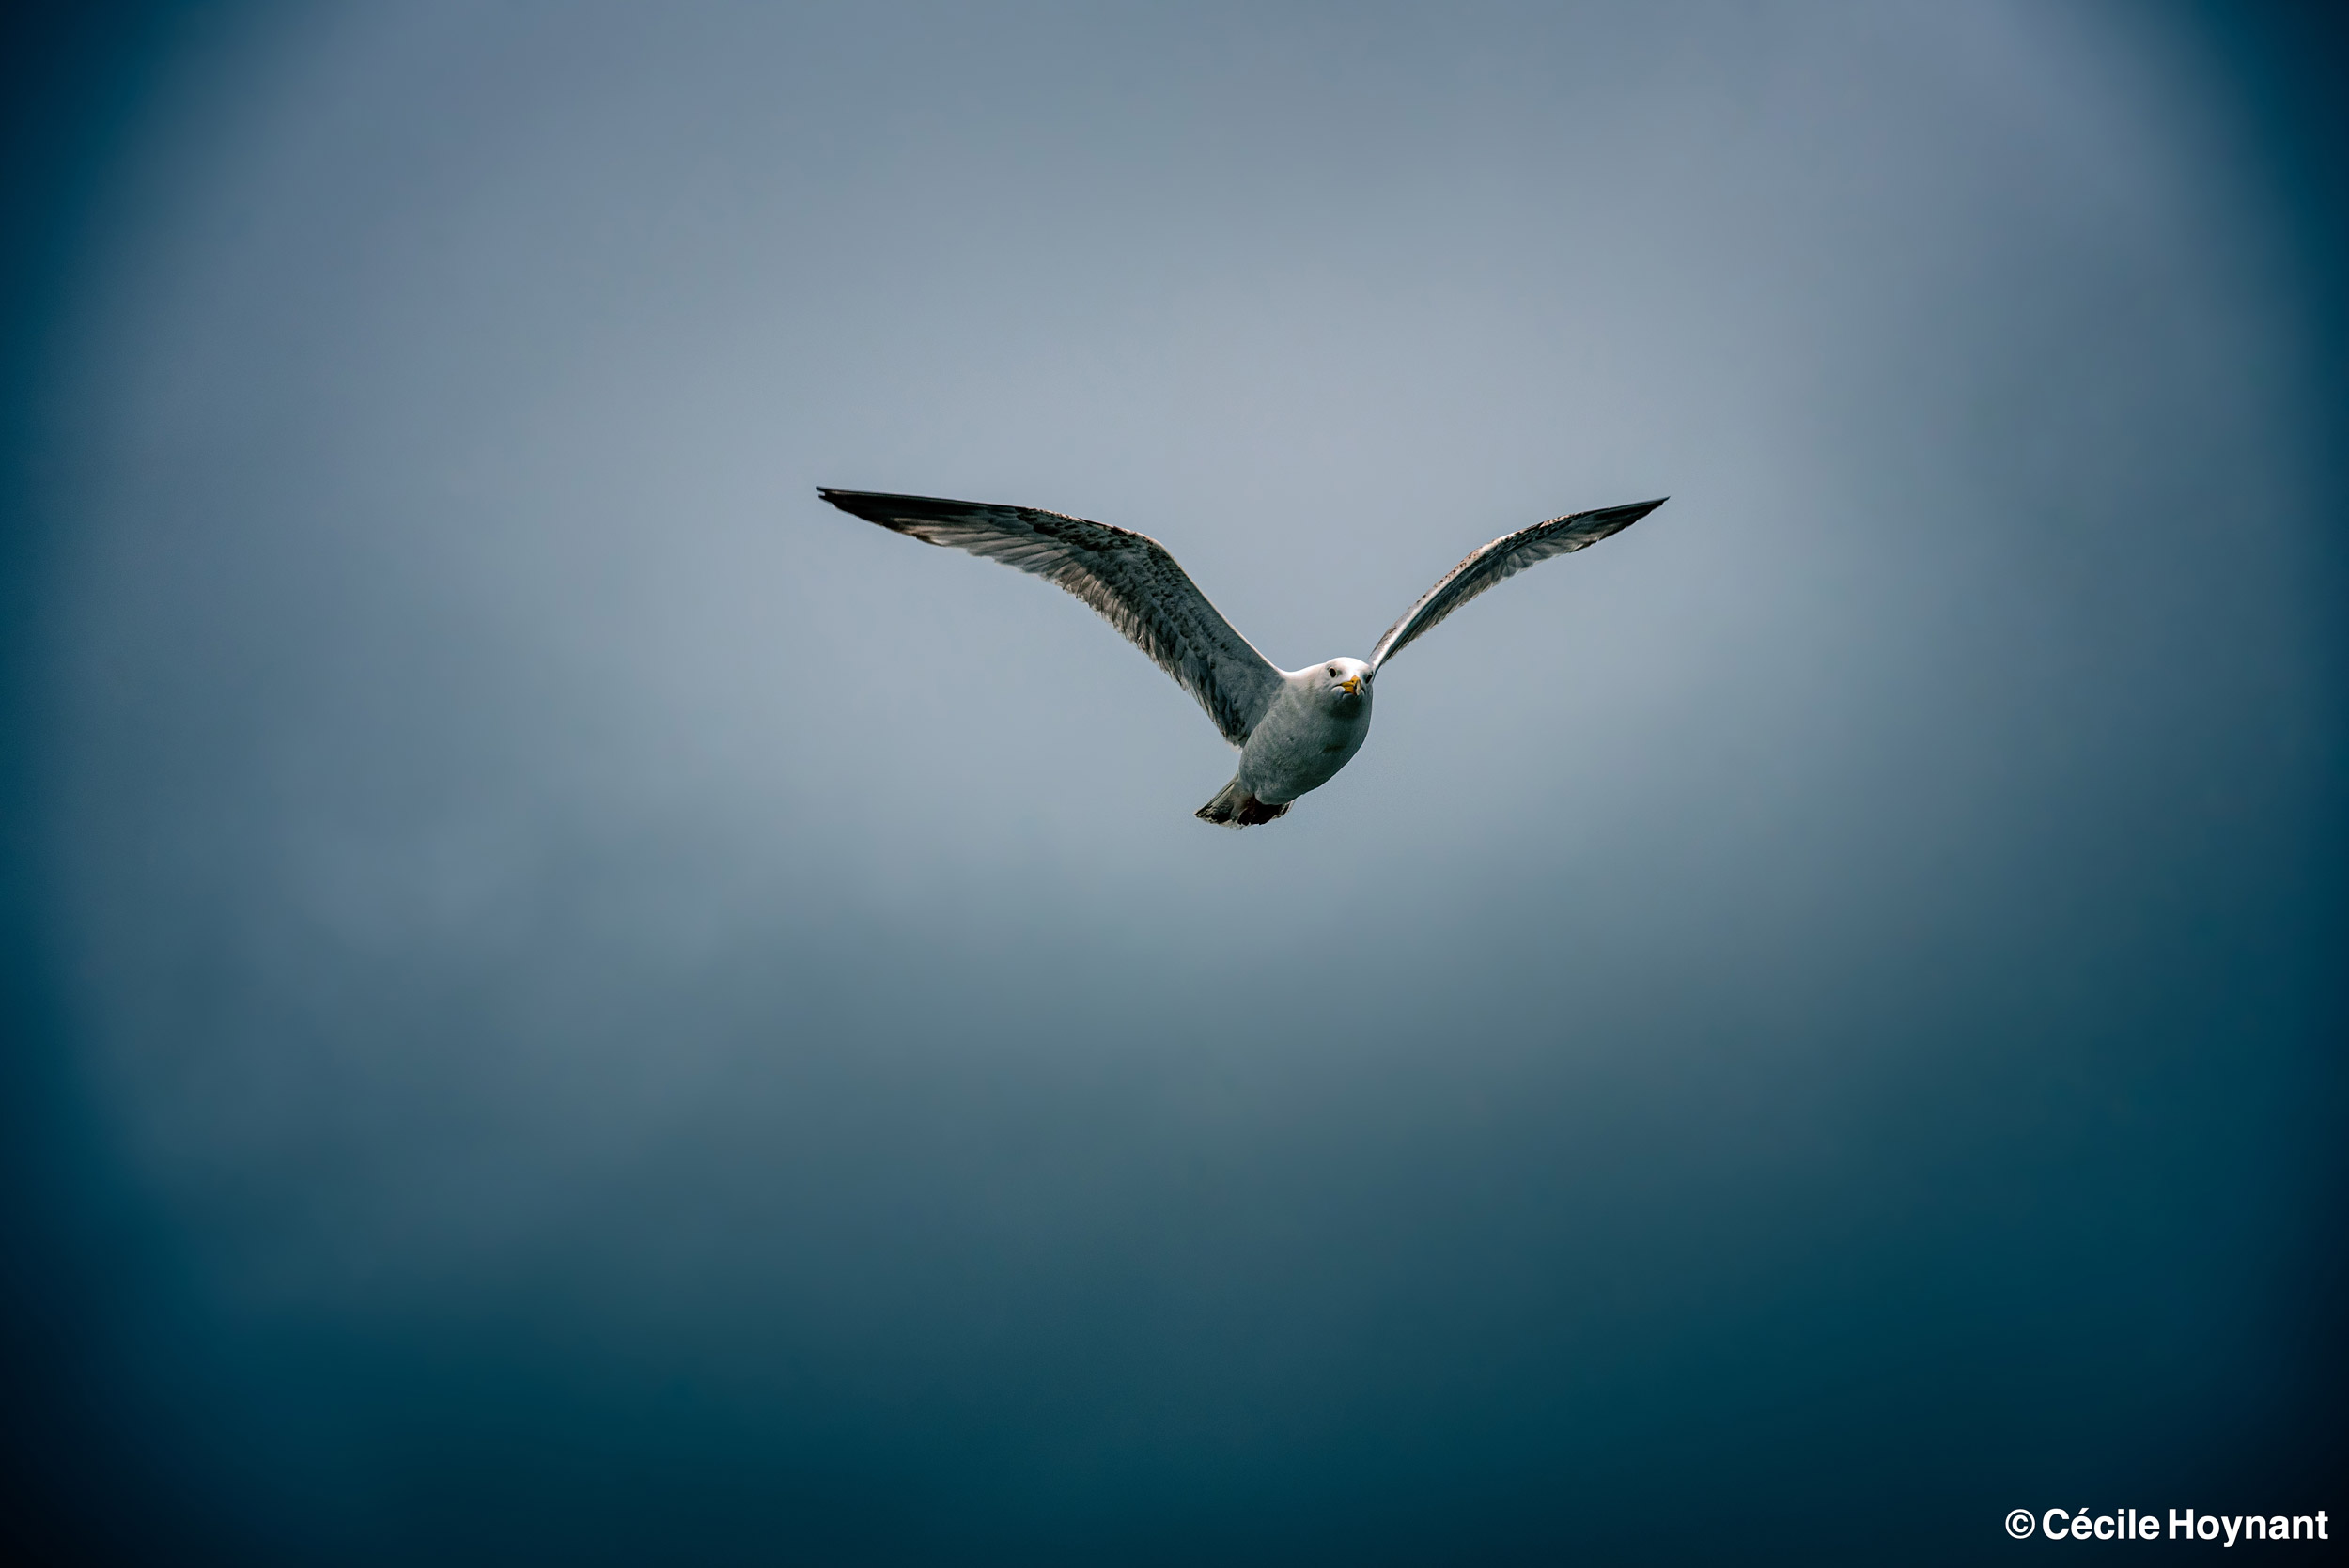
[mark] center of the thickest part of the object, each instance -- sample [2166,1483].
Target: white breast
[1300,742]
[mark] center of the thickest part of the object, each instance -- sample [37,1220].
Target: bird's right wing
[1501,560]
[1129,578]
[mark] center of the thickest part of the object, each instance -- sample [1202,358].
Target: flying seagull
[1294,728]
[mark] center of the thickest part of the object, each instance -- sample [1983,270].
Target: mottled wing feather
[1502,559]
[1128,577]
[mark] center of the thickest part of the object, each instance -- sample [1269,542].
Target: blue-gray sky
[623,1012]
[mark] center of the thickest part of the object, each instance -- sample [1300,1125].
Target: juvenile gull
[1294,728]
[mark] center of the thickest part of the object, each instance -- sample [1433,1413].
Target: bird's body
[1316,724]
[1295,728]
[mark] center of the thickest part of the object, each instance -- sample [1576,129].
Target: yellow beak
[1352,686]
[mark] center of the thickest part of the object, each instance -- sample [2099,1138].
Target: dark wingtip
[899,514]
[865,503]
[1614,518]
[868,505]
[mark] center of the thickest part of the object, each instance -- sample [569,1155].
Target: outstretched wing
[1505,558]
[1129,578]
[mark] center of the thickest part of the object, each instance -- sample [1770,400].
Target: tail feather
[1234,807]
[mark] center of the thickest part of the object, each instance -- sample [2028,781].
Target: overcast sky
[642,1014]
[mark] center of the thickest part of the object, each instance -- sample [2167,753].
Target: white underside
[1302,739]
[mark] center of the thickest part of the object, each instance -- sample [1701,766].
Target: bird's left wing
[1502,559]
[1128,577]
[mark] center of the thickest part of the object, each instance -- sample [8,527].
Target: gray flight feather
[1128,577]
[1502,559]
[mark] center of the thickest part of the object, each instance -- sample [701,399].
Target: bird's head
[1345,682]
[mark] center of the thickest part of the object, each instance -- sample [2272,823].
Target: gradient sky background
[579,1005]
